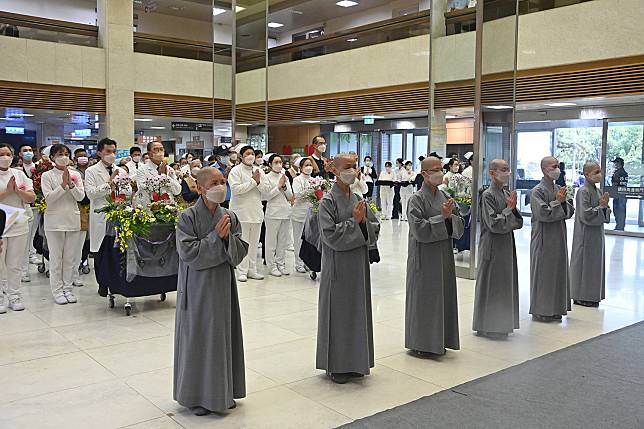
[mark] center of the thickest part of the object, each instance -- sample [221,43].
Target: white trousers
[404,199]
[30,250]
[387,201]
[277,232]
[11,260]
[63,259]
[81,242]
[298,228]
[250,234]
[289,236]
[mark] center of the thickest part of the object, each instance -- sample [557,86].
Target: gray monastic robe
[345,327]
[496,302]
[587,276]
[549,279]
[208,345]
[431,308]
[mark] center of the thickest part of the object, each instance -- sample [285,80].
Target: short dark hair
[105,142]
[409,163]
[149,146]
[316,138]
[56,149]
[79,150]
[400,160]
[258,152]
[245,149]
[25,145]
[368,156]
[450,163]
[135,149]
[273,156]
[8,146]
[388,164]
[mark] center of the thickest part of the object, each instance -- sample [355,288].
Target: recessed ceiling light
[347,3]
[275,25]
[244,125]
[239,8]
[353,39]
[157,128]
[499,107]
[310,122]
[22,115]
[223,130]
[450,116]
[142,120]
[561,104]
[217,11]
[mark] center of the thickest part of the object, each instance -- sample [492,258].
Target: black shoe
[200,411]
[102,291]
[356,375]
[340,377]
[557,317]
[594,304]
[493,335]
[586,303]
[540,318]
[233,406]
[422,354]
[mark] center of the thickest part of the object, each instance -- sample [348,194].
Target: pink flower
[75,179]
[33,170]
[22,187]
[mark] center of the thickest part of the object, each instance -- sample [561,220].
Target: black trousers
[397,204]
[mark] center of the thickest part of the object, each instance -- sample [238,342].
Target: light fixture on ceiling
[223,130]
[450,116]
[533,122]
[244,125]
[142,120]
[217,11]
[353,39]
[347,3]
[373,117]
[275,25]
[498,107]
[157,128]
[22,115]
[310,122]
[561,104]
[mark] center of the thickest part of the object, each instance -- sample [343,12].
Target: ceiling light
[157,128]
[347,3]
[239,8]
[275,25]
[533,122]
[217,11]
[22,115]
[561,104]
[450,116]
[223,130]
[310,122]
[142,120]
[499,107]
[244,125]
[354,39]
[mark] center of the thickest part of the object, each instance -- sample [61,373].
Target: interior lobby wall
[183,28]
[295,136]
[81,11]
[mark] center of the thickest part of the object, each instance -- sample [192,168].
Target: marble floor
[85,365]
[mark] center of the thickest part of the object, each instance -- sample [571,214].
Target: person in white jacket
[155,166]
[63,189]
[16,190]
[246,187]
[301,206]
[406,176]
[136,161]
[277,217]
[387,191]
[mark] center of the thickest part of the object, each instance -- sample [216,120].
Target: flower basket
[318,187]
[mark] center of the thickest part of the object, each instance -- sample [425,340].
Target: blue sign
[82,133]
[14,130]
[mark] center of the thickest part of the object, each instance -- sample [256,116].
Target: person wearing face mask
[189,183]
[155,166]
[386,184]
[400,166]
[246,187]
[44,154]
[29,168]
[348,228]
[293,170]
[549,277]
[63,189]
[431,310]
[136,162]
[452,168]
[16,190]
[259,160]
[587,259]
[406,178]
[208,343]
[496,302]
[370,176]
[301,206]
[278,216]
[233,157]
[81,161]
[221,160]
[319,161]
[468,171]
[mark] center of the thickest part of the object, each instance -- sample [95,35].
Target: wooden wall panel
[51,97]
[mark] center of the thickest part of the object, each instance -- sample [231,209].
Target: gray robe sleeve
[552,211]
[434,228]
[210,251]
[342,236]
[499,223]
[591,215]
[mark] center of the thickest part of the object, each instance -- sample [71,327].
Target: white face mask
[194,171]
[554,174]
[408,167]
[136,158]
[259,162]
[109,159]
[233,157]
[5,161]
[307,170]
[277,168]
[368,163]
[597,178]
[249,159]
[503,176]
[157,156]
[436,178]
[322,148]
[348,176]
[388,169]
[62,161]
[216,194]
[83,160]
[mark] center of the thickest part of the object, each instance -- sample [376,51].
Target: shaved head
[207,175]
[591,166]
[341,160]
[549,161]
[430,163]
[498,164]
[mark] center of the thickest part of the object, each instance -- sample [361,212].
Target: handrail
[175,41]
[39,23]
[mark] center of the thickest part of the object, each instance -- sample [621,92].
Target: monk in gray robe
[348,228]
[431,308]
[208,346]
[549,279]
[496,302]
[587,275]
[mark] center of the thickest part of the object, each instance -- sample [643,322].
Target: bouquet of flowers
[318,186]
[120,185]
[127,221]
[460,188]
[157,187]
[36,177]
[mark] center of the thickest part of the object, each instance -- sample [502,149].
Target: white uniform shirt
[142,196]
[134,167]
[21,225]
[406,176]
[62,213]
[384,176]
[246,194]
[27,169]
[359,186]
[278,203]
[301,188]
[468,172]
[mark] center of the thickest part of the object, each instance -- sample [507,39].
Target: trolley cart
[148,267]
[40,244]
[311,250]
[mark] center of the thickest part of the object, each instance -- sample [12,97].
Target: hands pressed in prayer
[448,208]
[562,194]
[11,186]
[282,181]
[360,211]
[66,178]
[603,200]
[512,201]
[223,227]
[257,174]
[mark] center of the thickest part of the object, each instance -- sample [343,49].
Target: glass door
[624,178]
[532,146]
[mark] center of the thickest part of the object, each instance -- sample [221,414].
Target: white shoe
[300,270]
[256,276]
[78,283]
[242,278]
[33,260]
[60,299]
[16,304]
[70,297]
[276,273]
[284,271]
[26,278]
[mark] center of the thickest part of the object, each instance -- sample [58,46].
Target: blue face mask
[224,160]
[27,156]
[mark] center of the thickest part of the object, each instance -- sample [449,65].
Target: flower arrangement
[36,177]
[128,221]
[460,189]
[318,186]
[373,206]
[120,185]
[157,186]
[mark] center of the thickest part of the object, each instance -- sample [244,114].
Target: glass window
[348,142]
[334,144]
[396,147]
[420,148]
[575,146]
[531,148]
[365,146]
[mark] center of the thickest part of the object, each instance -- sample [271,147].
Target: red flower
[118,198]
[160,197]
[319,193]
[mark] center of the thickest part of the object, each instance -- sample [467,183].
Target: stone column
[115,36]
[438,133]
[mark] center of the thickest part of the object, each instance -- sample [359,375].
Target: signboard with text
[191,126]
